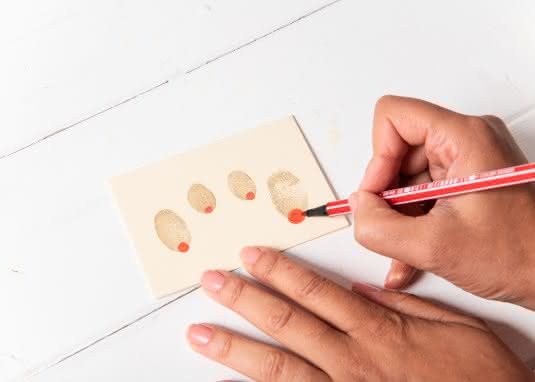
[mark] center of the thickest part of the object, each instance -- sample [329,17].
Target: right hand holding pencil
[483,242]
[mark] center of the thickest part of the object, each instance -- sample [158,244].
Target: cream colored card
[195,211]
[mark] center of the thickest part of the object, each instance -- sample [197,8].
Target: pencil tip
[318,211]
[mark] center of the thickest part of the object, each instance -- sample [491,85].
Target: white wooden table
[90,89]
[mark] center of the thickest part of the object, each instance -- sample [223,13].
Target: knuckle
[272,368]
[280,316]
[477,123]
[223,350]
[313,286]
[443,144]
[485,131]
[494,121]
[273,262]
[391,326]
[235,292]
[383,101]
[404,299]
[321,333]
[387,325]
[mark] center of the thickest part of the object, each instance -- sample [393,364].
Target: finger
[384,230]
[398,123]
[414,306]
[321,296]
[417,178]
[415,161]
[399,275]
[257,360]
[293,327]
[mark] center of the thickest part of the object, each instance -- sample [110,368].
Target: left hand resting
[333,334]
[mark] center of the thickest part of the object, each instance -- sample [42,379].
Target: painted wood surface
[64,61]
[68,275]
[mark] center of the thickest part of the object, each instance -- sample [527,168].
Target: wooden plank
[77,278]
[66,61]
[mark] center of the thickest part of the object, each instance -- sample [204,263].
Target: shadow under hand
[522,346]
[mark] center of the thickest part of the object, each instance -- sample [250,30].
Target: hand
[333,334]
[483,242]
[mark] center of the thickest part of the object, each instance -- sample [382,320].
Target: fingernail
[397,280]
[212,280]
[249,255]
[353,201]
[392,280]
[365,288]
[199,334]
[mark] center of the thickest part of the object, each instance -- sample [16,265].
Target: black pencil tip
[318,211]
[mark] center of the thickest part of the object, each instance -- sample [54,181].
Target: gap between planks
[188,71]
[61,359]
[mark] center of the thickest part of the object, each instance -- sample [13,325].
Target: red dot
[296,216]
[250,195]
[208,209]
[183,246]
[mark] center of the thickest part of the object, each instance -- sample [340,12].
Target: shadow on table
[517,341]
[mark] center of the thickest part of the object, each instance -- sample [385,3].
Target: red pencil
[440,189]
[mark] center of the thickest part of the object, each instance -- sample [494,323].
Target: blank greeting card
[195,211]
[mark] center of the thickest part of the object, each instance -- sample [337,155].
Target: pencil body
[440,189]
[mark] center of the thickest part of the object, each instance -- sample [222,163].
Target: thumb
[399,275]
[384,230]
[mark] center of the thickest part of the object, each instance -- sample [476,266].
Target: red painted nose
[250,195]
[208,209]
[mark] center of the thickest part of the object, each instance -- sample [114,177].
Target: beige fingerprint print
[288,195]
[201,199]
[172,231]
[241,185]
